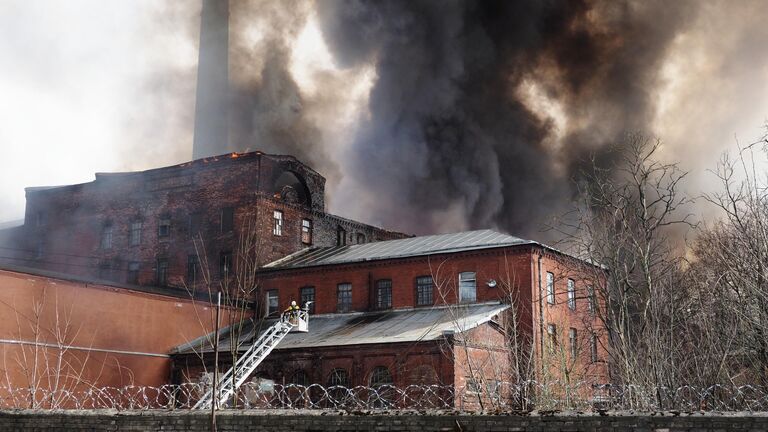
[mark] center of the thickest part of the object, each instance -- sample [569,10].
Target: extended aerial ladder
[248,362]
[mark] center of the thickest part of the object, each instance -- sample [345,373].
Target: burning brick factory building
[131,256]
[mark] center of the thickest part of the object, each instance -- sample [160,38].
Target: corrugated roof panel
[408,325]
[414,246]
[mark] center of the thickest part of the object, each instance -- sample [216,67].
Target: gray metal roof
[407,325]
[409,247]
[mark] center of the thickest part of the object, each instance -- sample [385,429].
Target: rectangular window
[306,231]
[133,273]
[162,272]
[593,348]
[227,219]
[277,228]
[592,301]
[424,291]
[135,237]
[571,294]
[550,288]
[383,294]
[552,336]
[164,228]
[193,268]
[273,302]
[106,237]
[344,297]
[193,224]
[360,238]
[467,287]
[308,295]
[225,264]
[341,237]
[573,342]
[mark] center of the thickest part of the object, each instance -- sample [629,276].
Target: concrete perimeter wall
[321,421]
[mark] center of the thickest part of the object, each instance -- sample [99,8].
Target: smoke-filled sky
[426,116]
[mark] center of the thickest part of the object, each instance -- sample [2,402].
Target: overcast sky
[91,85]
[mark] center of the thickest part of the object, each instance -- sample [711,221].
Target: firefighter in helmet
[292,311]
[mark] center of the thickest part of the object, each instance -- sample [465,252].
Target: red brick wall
[73,218]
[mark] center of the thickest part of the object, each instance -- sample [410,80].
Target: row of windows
[379,376]
[382,294]
[571,292]
[226,224]
[573,342]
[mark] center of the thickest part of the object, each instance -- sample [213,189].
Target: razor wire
[494,396]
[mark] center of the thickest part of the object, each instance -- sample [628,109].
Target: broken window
[227,219]
[308,295]
[133,272]
[273,302]
[341,236]
[424,290]
[467,287]
[384,294]
[550,288]
[573,342]
[225,264]
[306,231]
[106,236]
[277,227]
[571,294]
[135,235]
[344,297]
[164,227]
[162,272]
[193,268]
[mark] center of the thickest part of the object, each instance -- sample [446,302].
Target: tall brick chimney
[212,102]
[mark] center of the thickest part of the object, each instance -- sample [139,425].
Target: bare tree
[624,221]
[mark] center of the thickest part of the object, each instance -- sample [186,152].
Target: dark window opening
[380,376]
[341,237]
[164,228]
[384,294]
[424,290]
[225,264]
[344,297]
[193,268]
[227,219]
[273,302]
[308,295]
[360,238]
[162,272]
[338,377]
[573,342]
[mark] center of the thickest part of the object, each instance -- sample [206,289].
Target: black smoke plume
[453,138]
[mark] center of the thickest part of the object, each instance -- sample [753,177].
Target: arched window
[380,376]
[338,377]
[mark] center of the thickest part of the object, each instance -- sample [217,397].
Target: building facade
[178,225]
[444,309]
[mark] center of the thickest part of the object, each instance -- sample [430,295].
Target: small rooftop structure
[393,326]
[414,246]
